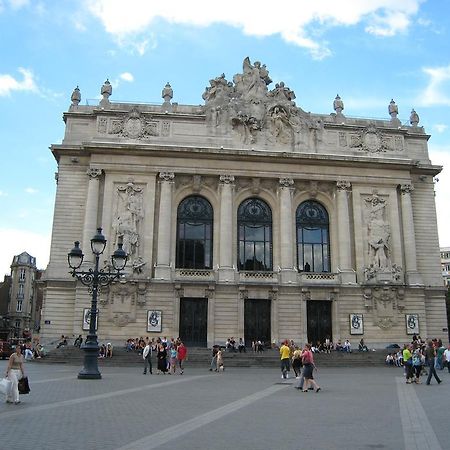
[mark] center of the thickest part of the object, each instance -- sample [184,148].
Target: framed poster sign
[87,319]
[412,323]
[154,321]
[356,324]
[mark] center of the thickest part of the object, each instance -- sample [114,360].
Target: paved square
[241,408]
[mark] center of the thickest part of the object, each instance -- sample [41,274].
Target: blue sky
[368,51]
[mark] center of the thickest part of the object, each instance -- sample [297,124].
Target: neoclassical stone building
[247,217]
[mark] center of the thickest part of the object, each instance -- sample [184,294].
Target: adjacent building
[247,217]
[445,264]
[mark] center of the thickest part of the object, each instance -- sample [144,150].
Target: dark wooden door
[194,321]
[257,320]
[319,321]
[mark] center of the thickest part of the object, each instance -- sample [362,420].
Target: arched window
[313,242]
[254,220]
[194,233]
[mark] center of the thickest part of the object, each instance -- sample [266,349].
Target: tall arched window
[254,220]
[313,243]
[194,233]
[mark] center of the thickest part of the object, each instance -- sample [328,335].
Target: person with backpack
[308,369]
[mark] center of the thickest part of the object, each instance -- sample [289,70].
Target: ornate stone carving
[414,118]
[243,293]
[257,114]
[385,302]
[94,173]
[273,294]
[343,185]
[196,183]
[76,96]
[306,294]
[167,94]
[166,176]
[129,214]
[226,179]
[106,92]
[286,182]
[406,188]
[138,265]
[342,139]
[134,126]
[165,129]
[210,291]
[102,125]
[338,105]
[378,234]
[369,140]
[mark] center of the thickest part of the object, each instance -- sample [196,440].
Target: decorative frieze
[226,179]
[94,173]
[343,185]
[166,176]
[286,182]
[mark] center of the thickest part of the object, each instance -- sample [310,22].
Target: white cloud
[17,4]
[291,20]
[9,84]
[126,76]
[30,190]
[440,127]
[436,92]
[17,241]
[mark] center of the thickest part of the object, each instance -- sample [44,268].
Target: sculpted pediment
[255,113]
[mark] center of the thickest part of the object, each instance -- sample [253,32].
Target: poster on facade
[87,319]
[356,324]
[412,323]
[154,321]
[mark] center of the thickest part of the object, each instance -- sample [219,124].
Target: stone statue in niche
[378,234]
[129,216]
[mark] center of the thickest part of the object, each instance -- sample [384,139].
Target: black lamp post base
[85,375]
[90,370]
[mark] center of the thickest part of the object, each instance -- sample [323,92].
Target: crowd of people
[420,357]
[170,354]
[302,360]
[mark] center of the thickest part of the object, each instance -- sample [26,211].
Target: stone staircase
[201,357]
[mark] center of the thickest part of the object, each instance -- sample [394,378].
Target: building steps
[201,357]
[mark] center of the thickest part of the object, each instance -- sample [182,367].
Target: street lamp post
[94,279]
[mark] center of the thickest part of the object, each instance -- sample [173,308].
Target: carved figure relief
[129,214]
[378,233]
[257,114]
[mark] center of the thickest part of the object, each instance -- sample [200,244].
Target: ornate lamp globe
[98,243]
[75,257]
[119,257]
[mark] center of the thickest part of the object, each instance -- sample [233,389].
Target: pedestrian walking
[213,365]
[285,353]
[14,372]
[447,358]
[162,359]
[430,354]
[147,356]
[407,363]
[173,358]
[308,369]
[297,361]
[181,356]
[219,361]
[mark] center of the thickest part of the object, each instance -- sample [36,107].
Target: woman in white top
[14,372]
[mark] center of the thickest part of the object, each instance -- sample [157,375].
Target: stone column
[164,247]
[409,239]
[91,211]
[226,271]
[347,273]
[288,274]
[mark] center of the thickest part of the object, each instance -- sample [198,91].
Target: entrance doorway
[194,321]
[256,321]
[319,321]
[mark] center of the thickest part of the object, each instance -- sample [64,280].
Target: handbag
[23,386]
[5,386]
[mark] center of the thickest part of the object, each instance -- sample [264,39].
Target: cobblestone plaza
[358,408]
